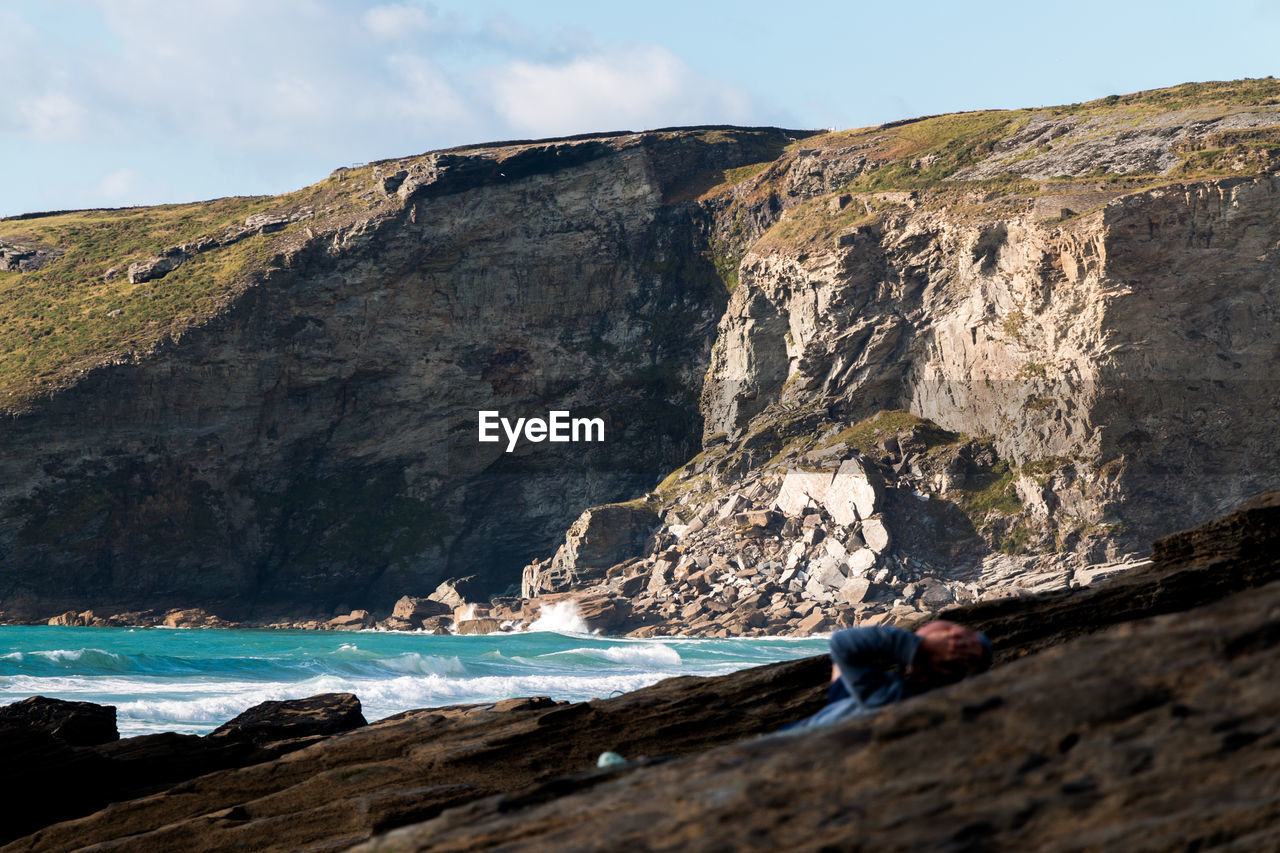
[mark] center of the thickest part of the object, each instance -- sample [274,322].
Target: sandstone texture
[1135,714]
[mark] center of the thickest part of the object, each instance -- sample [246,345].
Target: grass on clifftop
[65,318]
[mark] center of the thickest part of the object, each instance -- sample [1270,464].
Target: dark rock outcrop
[61,764]
[324,714]
[73,723]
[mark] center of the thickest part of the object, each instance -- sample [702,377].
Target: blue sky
[115,102]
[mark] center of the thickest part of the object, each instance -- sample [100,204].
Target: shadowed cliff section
[306,442]
[1102,726]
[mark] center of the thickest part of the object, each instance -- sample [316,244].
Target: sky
[107,103]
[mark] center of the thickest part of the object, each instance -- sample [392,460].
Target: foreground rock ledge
[1152,733]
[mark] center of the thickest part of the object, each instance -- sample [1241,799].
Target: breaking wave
[193,681]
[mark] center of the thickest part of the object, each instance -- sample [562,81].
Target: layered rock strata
[1083,295]
[313,448]
[1043,369]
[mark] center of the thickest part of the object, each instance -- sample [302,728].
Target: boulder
[861,561]
[730,507]
[192,617]
[855,590]
[154,268]
[827,571]
[324,714]
[658,576]
[608,614]
[74,723]
[456,592]
[935,594]
[756,519]
[602,537]
[854,493]
[437,624]
[815,621]
[802,489]
[471,611]
[353,621]
[414,610]
[478,626]
[875,534]
[632,586]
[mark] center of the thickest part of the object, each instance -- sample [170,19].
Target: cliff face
[1068,316]
[314,444]
[1130,350]
[972,355]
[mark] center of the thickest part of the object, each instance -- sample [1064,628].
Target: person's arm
[865,656]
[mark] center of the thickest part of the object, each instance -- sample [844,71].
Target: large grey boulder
[854,493]
[602,537]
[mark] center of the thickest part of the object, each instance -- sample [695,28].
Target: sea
[193,680]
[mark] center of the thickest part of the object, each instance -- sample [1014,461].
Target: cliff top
[83,289]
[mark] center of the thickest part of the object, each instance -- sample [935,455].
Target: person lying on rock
[874,667]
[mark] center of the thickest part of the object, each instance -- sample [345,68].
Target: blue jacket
[873,664]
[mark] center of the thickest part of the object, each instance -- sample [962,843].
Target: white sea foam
[69,654]
[562,617]
[649,654]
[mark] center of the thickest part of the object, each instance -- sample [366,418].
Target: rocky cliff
[1031,340]
[306,440]
[973,354]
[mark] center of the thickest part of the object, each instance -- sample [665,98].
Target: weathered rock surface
[601,537]
[324,714]
[1102,726]
[1005,384]
[73,723]
[64,759]
[1157,737]
[315,443]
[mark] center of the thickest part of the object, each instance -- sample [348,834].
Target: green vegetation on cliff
[79,310]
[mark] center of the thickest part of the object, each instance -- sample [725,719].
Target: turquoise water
[193,680]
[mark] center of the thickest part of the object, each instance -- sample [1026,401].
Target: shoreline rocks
[1128,713]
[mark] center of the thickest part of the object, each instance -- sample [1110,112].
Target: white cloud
[397,21]
[427,92]
[630,89]
[293,88]
[118,186]
[54,116]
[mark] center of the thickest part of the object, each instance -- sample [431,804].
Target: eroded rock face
[1094,340]
[602,537]
[316,444]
